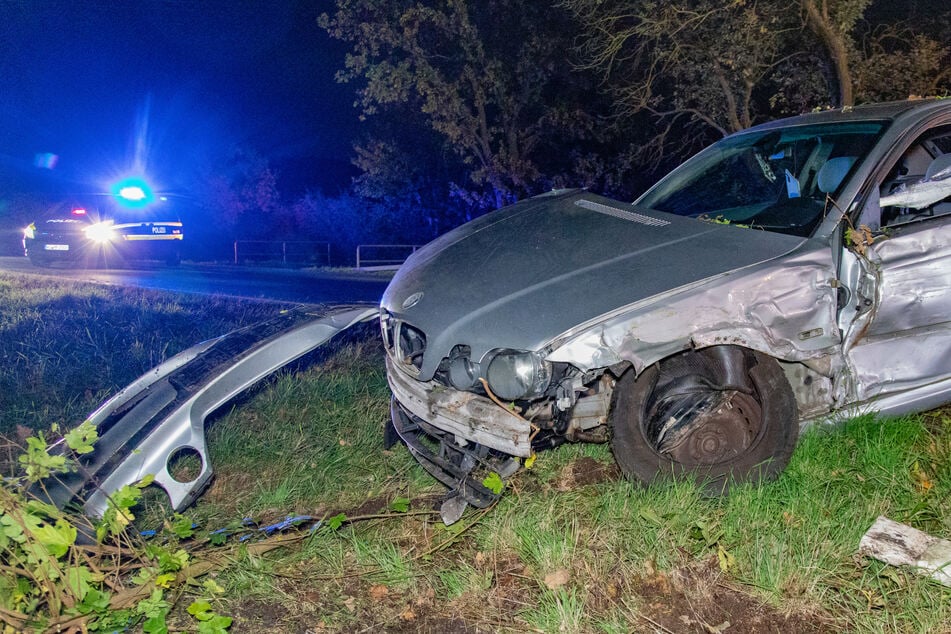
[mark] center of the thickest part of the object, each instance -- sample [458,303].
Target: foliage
[489,78]
[52,579]
[242,196]
[696,59]
[915,65]
[704,68]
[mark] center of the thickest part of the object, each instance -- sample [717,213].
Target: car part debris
[901,545]
[162,414]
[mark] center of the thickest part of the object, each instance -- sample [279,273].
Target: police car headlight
[100,232]
[516,375]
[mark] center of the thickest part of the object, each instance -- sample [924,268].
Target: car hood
[519,277]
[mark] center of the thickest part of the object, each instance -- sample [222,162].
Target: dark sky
[172,84]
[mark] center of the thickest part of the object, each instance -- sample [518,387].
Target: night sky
[171,85]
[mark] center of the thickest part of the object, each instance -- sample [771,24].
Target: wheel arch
[637,413]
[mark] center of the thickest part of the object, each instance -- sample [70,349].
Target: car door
[898,317]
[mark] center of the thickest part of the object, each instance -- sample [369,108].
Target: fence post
[358,255]
[235,251]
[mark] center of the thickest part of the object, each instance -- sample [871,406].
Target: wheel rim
[725,428]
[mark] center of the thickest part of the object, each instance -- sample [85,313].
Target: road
[306,286]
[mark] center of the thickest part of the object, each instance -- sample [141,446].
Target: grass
[560,552]
[66,346]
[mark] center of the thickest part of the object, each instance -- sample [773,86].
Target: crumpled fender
[785,308]
[163,412]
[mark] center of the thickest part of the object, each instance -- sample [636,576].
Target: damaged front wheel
[719,415]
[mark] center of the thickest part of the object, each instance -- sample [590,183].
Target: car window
[918,186]
[776,180]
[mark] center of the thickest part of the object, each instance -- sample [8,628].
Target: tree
[694,64]
[833,22]
[490,77]
[242,196]
[915,65]
[707,67]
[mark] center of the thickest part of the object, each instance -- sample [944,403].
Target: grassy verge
[65,346]
[571,547]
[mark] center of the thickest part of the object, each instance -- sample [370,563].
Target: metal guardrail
[284,251]
[384,255]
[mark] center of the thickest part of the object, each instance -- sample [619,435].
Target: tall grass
[64,345]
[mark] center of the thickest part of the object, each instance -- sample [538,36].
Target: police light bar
[133,192]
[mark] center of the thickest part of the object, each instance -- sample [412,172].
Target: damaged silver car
[794,272]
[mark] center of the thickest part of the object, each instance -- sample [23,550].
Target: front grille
[405,344]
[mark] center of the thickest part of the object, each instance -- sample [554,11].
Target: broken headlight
[514,375]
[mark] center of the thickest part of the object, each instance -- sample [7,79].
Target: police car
[106,229]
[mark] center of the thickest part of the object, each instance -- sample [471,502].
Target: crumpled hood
[518,277]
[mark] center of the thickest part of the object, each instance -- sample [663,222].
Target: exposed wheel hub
[705,428]
[721,433]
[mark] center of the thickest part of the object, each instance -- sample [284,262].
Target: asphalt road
[299,286]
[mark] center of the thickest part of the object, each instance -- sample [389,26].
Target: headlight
[100,232]
[30,231]
[516,375]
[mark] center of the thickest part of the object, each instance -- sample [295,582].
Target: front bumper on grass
[460,438]
[143,427]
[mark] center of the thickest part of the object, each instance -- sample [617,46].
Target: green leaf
[216,625]
[82,438]
[78,579]
[199,609]
[212,586]
[400,505]
[11,530]
[57,539]
[336,521]
[94,601]
[651,516]
[182,526]
[493,482]
[168,561]
[38,463]
[155,625]
[154,606]
[144,575]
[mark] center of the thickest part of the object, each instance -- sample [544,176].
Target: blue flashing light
[133,192]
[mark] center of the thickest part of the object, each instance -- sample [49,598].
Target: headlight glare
[30,231]
[516,375]
[100,232]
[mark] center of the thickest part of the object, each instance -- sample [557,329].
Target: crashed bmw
[794,272]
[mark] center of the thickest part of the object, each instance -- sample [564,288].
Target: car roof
[891,110]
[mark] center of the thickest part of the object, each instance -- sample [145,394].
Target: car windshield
[776,180]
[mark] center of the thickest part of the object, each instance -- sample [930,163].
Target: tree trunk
[819,21]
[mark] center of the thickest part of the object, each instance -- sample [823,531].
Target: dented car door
[898,320]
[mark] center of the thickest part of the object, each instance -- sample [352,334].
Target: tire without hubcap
[719,415]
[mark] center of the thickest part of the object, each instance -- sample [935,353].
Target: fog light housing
[516,375]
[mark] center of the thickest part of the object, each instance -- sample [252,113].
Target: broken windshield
[776,180]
